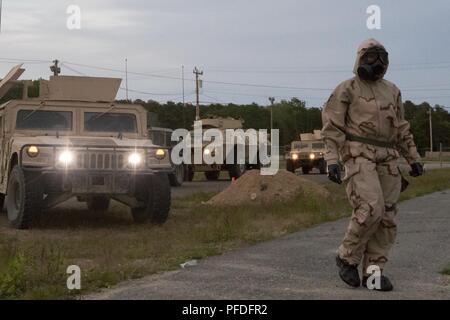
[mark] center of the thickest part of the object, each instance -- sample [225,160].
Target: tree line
[292,117]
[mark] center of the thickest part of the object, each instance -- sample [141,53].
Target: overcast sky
[284,43]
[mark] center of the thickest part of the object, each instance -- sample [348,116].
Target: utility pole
[431,131]
[184,102]
[272,100]
[55,68]
[126,77]
[182,83]
[197,86]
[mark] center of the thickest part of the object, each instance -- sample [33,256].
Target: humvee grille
[100,161]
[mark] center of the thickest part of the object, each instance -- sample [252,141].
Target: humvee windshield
[44,120]
[110,122]
[318,145]
[162,138]
[300,145]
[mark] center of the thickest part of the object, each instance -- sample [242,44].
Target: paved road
[301,265]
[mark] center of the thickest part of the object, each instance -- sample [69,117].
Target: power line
[156,94]
[25,60]
[263,95]
[121,88]
[310,71]
[66,65]
[121,71]
[205,81]
[242,84]
[292,69]
[73,70]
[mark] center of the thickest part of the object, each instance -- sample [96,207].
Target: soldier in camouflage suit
[364,127]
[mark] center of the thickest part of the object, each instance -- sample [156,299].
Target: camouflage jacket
[368,109]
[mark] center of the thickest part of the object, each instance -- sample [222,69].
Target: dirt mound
[254,188]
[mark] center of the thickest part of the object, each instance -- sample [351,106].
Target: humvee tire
[189,173]
[212,175]
[306,169]
[290,166]
[24,198]
[98,203]
[2,202]
[322,166]
[177,177]
[155,192]
[236,170]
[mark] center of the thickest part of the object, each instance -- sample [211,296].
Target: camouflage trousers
[373,190]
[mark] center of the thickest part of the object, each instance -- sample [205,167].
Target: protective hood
[363,47]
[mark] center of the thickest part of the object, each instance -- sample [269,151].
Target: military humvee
[73,140]
[308,153]
[162,137]
[212,171]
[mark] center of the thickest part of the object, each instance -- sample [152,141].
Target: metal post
[184,101]
[431,133]
[1,8]
[55,68]
[182,83]
[272,100]
[126,77]
[197,108]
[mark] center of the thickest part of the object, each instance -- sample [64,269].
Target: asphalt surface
[301,265]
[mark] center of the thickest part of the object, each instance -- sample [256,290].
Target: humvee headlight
[32,151]
[66,157]
[294,156]
[134,159]
[312,156]
[160,154]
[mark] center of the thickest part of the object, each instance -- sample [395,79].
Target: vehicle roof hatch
[75,88]
[10,79]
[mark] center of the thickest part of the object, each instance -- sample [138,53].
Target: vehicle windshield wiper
[33,112]
[102,114]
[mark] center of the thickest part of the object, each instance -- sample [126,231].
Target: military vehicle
[162,137]
[212,171]
[307,153]
[73,140]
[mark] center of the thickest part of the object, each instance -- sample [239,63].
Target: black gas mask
[373,64]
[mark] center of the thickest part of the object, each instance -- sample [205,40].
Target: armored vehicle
[73,140]
[234,169]
[308,153]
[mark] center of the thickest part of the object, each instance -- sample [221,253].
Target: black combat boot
[348,272]
[385,284]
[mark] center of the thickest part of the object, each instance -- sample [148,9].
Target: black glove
[416,169]
[334,173]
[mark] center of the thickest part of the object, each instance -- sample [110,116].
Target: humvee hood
[83,141]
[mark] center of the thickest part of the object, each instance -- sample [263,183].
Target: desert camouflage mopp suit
[358,112]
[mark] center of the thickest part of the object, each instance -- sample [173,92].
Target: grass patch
[109,248]
[431,181]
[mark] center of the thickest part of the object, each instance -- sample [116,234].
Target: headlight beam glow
[134,159]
